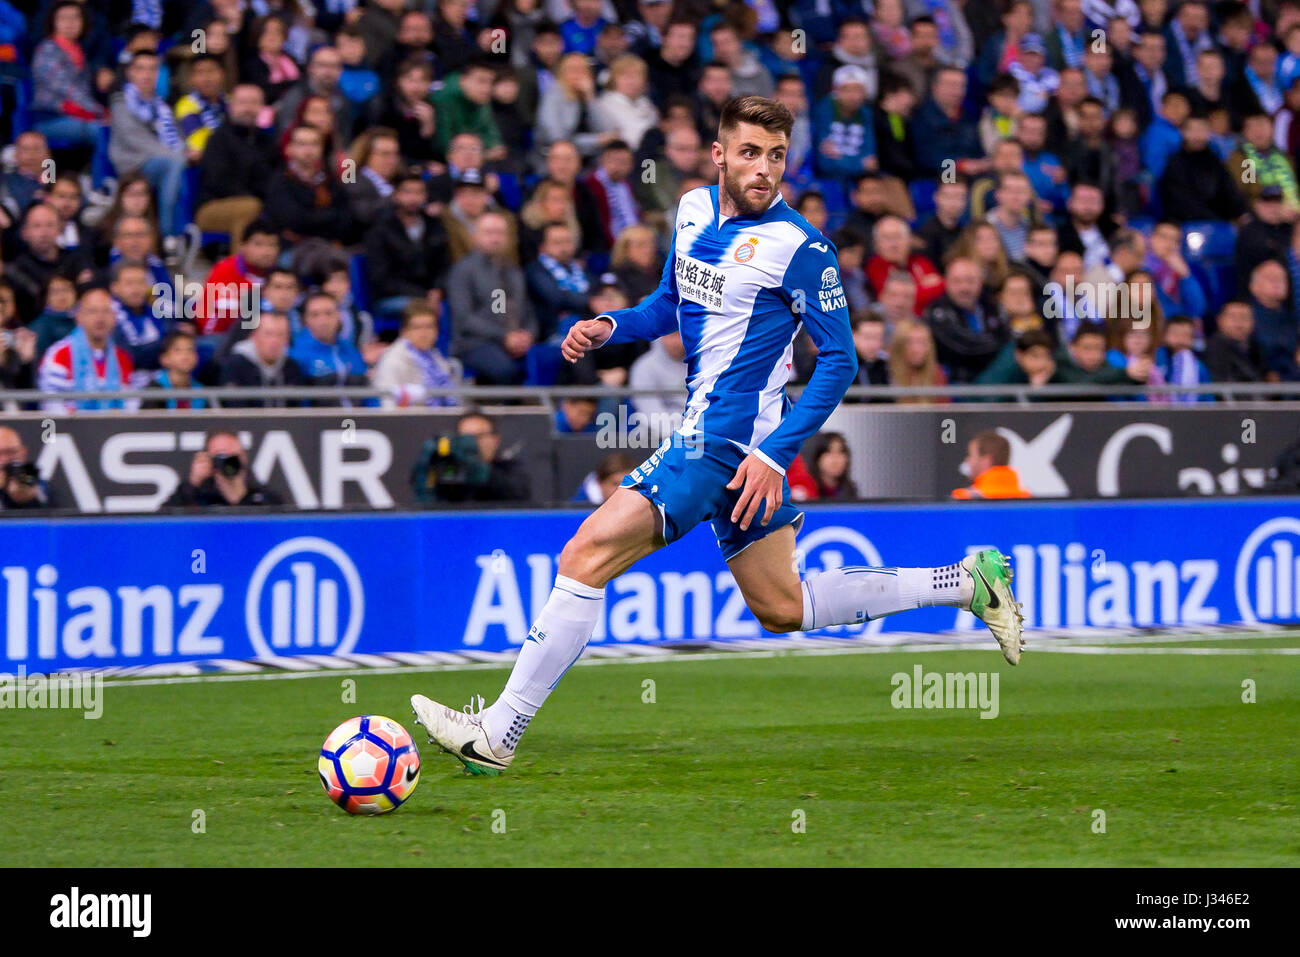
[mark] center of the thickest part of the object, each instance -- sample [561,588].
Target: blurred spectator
[988,466]
[469,201]
[812,207]
[146,139]
[236,280]
[946,139]
[87,360]
[23,486]
[981,242]
[507,479]
[892,245]
[895,149]
[1018,305]
[17,345]
[1135,339]
[1195,185]
[662,366]
[464,105]
[1002,115]
[1013,215]
[624,107]
[674,67]
[605,479]
[412,365]
[1028,361]
[557,282]
[843,128]
[324,69]
[1257,163]
[265,61]
[409,111]
[1275,320]
[1178,290]
[609,185]
[177,359]
[236,167]
[940,232]
[568,111]
[869,343]
[710,97]
[1231,354]
[1267,234]
[40,258]
[829,464]
[64,105]
[636,261]
[357,81]
[407,253]
[139,330]
[1177,361]
[378,160]
[912,360]
[968,329]
[1087,229]
[203,109]
[262,360]
[132,197]
[493,325]
[853,47]
[576,415]
[134,244]
[748,75]
[851,250]
[219,476]
[58,317]
[307,204]
[325,357]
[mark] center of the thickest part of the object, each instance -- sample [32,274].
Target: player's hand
[759,483]
[585,335]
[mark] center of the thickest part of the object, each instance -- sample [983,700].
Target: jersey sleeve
[812,284]
[654,316]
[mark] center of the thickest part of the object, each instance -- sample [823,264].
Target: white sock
[852,595]
[554,643]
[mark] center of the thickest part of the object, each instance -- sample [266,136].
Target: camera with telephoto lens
[449,469]
[24,473]
[227,465]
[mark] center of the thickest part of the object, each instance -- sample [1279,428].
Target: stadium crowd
[415,193]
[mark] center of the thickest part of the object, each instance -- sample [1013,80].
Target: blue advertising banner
[107,592]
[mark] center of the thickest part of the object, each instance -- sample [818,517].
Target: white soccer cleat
[461,734]
[993,603]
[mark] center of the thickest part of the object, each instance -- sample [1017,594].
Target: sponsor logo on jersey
[831,295]
[830,277]
[699,282]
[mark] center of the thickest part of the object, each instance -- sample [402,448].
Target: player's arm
[654,316]
[827,322]
[761,475]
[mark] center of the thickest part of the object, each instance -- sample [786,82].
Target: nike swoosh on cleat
[994,601]
[469,751]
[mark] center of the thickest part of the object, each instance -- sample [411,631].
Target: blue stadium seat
[360,283]
[1209,240]
[103,166]
[922,191]
[444,329]
[543,361]
[512,193]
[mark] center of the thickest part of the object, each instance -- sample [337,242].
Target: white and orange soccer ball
[369,765]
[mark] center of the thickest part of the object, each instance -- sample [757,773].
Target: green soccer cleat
[461,734]
[993,603]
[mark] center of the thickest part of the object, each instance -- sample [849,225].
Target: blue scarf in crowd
[157,114]
[85,378]
[432,374]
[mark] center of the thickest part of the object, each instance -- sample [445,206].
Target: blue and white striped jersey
[740,289]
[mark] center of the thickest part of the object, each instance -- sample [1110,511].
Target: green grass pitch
[733,754]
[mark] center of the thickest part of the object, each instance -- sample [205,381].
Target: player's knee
[583,556]
[779,616]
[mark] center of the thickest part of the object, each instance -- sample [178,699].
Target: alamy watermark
[65,692]
[1101,300]
[947,690]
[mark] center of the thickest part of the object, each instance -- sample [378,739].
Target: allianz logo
[304,595]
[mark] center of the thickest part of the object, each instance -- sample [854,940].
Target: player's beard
[746,203]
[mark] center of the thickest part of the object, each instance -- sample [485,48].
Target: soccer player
[745,272]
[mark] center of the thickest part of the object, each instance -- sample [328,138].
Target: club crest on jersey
[745,251]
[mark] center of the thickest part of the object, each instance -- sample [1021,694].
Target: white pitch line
[699,656]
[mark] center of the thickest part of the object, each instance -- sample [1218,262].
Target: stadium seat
[360,282]
[512,193]
[922,191]
[543,362]
[1209,240]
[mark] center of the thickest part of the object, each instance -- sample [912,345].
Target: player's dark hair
[771,115]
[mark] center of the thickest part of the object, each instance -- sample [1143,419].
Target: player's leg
[623,530]
[767,573]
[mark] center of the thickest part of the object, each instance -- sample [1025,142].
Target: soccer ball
[369,765]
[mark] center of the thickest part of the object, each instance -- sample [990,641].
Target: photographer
[219,475]
[23,487]
[469,466]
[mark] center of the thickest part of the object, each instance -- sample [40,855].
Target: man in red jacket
[227,281]
[892,238]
